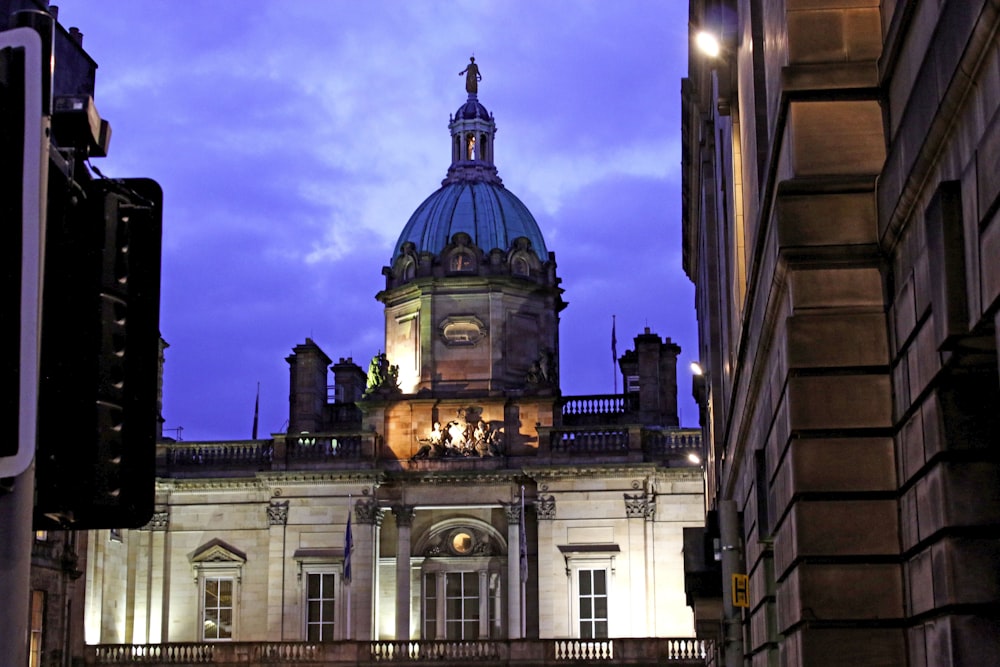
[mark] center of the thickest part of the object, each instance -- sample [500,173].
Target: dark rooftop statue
[472,76]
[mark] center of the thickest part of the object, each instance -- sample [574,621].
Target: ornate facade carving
[159,521]
[513,511]
[466,435]
[545,508]
[404,515]
[277,513]
[640,506]
[367,511]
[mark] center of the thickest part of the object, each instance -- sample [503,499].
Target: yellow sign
[741,590]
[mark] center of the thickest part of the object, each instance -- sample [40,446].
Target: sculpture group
[467,435]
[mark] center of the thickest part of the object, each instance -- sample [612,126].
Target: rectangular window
[37,628]
[430,606]
[320,606]
[461,605]
[593,601]
[217,608]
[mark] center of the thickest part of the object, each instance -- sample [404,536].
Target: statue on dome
[472,76]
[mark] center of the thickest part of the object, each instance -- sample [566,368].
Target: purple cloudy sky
[294,139]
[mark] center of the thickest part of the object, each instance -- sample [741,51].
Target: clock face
[461,542]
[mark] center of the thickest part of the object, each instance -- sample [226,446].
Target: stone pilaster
[277,519]
[404,521]
[361,589]
[513,511]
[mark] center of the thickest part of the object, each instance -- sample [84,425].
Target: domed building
[447,502]
[472,299]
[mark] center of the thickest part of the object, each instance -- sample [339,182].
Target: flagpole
[256,412]
[524,567]
[348,548]
[614,354]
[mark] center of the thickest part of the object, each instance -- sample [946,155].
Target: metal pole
[732,563]
[15,567]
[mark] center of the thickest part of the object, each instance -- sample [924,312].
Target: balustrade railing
[688,649]
[679,442]
[220,454]
[590,441]
[322,448]
[285,652]
[584,649]
[407,651]
[683,652]
[155,654]
[597,404]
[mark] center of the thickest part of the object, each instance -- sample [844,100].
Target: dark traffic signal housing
[100,355]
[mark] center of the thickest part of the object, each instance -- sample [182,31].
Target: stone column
[364,560]
[513,511]
[484,604]
[638,507]
[158,565]
[404,520]
[277,519]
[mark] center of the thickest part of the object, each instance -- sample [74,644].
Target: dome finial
[472,76]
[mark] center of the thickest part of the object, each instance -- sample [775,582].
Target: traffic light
[100,354]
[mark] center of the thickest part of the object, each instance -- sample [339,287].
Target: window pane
[586,630]
[225,592]
[453,609]
[327,611]
[453,584]
[600,586]
[313,635]
[585,588]
[601,630]
[225,623]
[601,607]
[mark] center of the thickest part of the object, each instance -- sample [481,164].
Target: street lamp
[708,43]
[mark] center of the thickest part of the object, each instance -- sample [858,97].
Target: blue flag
[348,548]
[523,545]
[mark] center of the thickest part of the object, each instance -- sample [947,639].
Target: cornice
[293,477]
[609,470]
[479,477]
[209,484]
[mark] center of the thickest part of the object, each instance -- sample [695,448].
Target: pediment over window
[217,551]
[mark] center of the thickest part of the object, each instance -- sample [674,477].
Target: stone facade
[451,495]
[840,226]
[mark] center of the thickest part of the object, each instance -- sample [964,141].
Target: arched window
[409,270]
[461,261]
